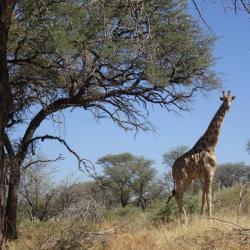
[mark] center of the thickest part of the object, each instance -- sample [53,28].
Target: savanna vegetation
[112,59]
[129,209]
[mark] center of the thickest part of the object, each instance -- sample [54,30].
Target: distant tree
[169,159]
[37,191]
[142,175]
[168,181]
[127,175]
[156,190]
[117,175]
[248,146]
[229,174]
[170,156]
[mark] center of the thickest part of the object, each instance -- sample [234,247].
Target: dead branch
[229,222]
[60,157]
[243,192]
[200,15]
[88,166]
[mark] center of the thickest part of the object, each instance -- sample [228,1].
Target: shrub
[227,200]
[169,211]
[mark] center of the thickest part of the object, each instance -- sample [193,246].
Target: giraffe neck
[210,138]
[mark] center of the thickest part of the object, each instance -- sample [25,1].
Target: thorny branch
[200,14]
[88,165]
[243,192]
[229,222]
[42,161]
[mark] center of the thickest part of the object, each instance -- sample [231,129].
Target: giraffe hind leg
[180,204]
[203,202]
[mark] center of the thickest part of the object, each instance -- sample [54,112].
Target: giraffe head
[227,99]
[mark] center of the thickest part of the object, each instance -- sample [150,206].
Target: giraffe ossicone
[200,161]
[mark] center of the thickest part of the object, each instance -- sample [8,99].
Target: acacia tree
[127,175]
[117,175]
[111,58]
[142,175]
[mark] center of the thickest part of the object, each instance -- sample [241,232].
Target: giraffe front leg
[179,201]
[208,192]
[209,200]
[203,202]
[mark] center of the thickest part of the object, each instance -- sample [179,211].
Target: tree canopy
[127,175]
[111,58]
[136,53]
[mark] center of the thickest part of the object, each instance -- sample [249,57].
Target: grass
[130,228]
[199,234]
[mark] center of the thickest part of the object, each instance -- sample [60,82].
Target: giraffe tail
[171,196]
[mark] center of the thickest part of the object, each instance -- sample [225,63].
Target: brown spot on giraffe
[200,161]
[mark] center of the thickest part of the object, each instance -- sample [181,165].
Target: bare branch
[200,15]
[229,222]
[88,165]
[42,161]
[8,146]
[243,192]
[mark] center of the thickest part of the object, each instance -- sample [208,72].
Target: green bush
[166,214]
[169,212]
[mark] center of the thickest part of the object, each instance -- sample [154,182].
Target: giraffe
[200,161]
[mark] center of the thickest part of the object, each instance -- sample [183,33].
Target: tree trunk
[143,204]
[5,105]
[124,201]
[11,208]
[2,192]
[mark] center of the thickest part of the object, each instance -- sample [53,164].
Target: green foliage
[192,203]
[52,53]
[128,175]
[166,214]
[117,175]
[169,212]
[129,211]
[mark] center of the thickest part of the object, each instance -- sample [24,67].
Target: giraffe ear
[221,98]
[233,97]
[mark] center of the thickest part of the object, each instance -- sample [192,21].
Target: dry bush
[85,210]
[227,200]
[60,236]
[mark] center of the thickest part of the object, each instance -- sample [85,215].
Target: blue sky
[93,139]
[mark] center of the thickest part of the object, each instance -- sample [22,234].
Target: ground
[200,233]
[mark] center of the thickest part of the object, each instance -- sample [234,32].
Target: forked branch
[88,166]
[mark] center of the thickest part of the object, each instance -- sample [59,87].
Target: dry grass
[132,229]
[199,234]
